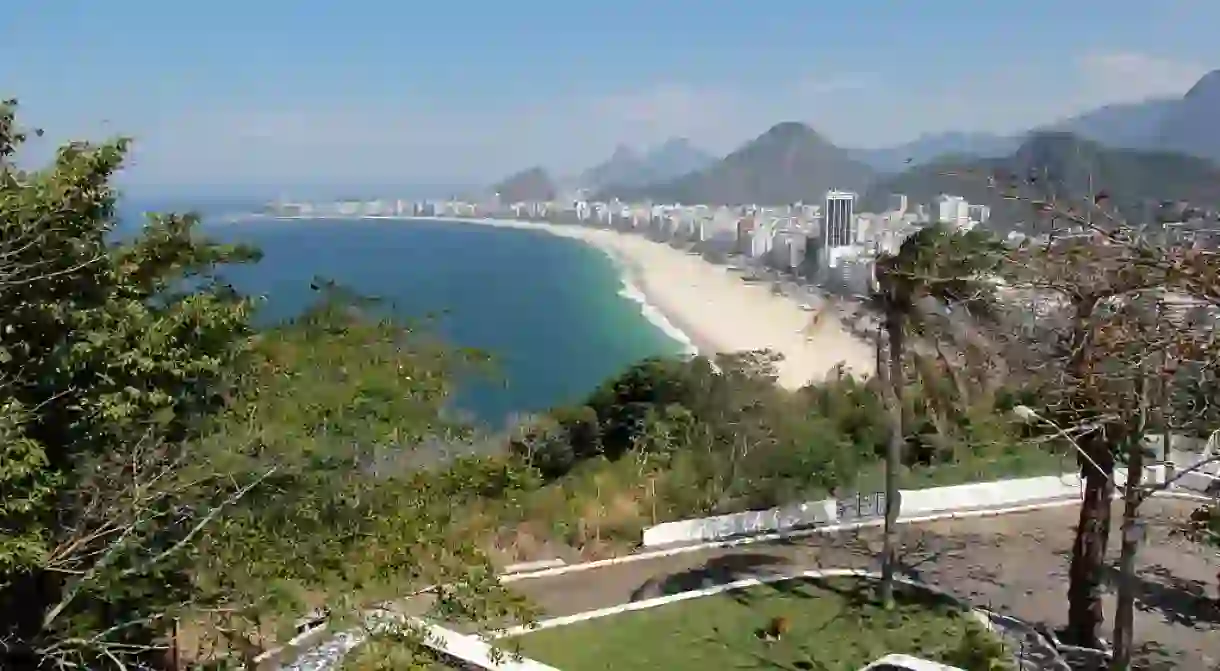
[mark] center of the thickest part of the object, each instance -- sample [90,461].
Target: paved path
[1014,564]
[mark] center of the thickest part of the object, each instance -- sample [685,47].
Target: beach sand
[720,312]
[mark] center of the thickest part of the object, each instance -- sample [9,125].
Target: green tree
[936,279]
[162,462]
[107,364]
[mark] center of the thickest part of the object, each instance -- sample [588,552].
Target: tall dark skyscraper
[839,219]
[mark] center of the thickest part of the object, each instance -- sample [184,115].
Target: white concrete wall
[999,494]
[740,524]
[996,495]
[476,651]
[1196,481]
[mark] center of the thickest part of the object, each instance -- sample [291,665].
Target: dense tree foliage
[720,436]
[165,467]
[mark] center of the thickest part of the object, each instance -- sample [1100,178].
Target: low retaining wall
[751,522]
[915,503]
[461,650]
[477,652]
[978,495]
[1198,482]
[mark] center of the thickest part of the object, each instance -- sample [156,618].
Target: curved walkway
[1014,564]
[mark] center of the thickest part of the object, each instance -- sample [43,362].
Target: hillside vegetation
[671,438]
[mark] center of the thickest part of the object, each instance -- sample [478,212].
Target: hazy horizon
[378,93]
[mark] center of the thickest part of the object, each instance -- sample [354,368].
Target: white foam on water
[633,293]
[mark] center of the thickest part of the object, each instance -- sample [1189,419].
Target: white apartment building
[954,211]
[868,226]
[761,239]
[979,213]
[788,249]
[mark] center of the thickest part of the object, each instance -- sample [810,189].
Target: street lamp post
[1028,414]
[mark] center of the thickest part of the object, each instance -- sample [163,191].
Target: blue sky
[282,92]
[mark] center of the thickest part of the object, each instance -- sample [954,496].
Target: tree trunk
[893,458]
[1124,614]
[1085,615]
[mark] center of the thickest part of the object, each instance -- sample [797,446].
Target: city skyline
[296,93]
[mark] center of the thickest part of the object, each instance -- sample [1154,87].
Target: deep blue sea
[553,313]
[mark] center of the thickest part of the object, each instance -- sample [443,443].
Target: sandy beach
[717,310]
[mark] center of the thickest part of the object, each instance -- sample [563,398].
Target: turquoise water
[551,311]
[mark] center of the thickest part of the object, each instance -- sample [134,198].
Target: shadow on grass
[859,603]
[716,571]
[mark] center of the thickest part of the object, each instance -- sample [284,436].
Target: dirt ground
[1014,564]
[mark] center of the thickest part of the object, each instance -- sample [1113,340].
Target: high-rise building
[898,203]
[839,219]
[953,211]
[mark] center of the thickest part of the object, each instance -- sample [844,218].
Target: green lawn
[835,624]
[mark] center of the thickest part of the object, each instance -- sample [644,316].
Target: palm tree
[921,292]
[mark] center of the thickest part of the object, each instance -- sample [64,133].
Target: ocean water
[557,316]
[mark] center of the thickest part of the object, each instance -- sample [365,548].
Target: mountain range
[1184,124]
[1140,147]
[628,168]
[790,162]
[1140,182]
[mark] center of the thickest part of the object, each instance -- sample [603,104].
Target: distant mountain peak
[788,129]
[1207,83]
[627,167]
[788,163]
[1190,125]
[531,184]
[676,143]
[622,152]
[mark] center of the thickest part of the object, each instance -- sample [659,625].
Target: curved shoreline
[711,307]
[635,288]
